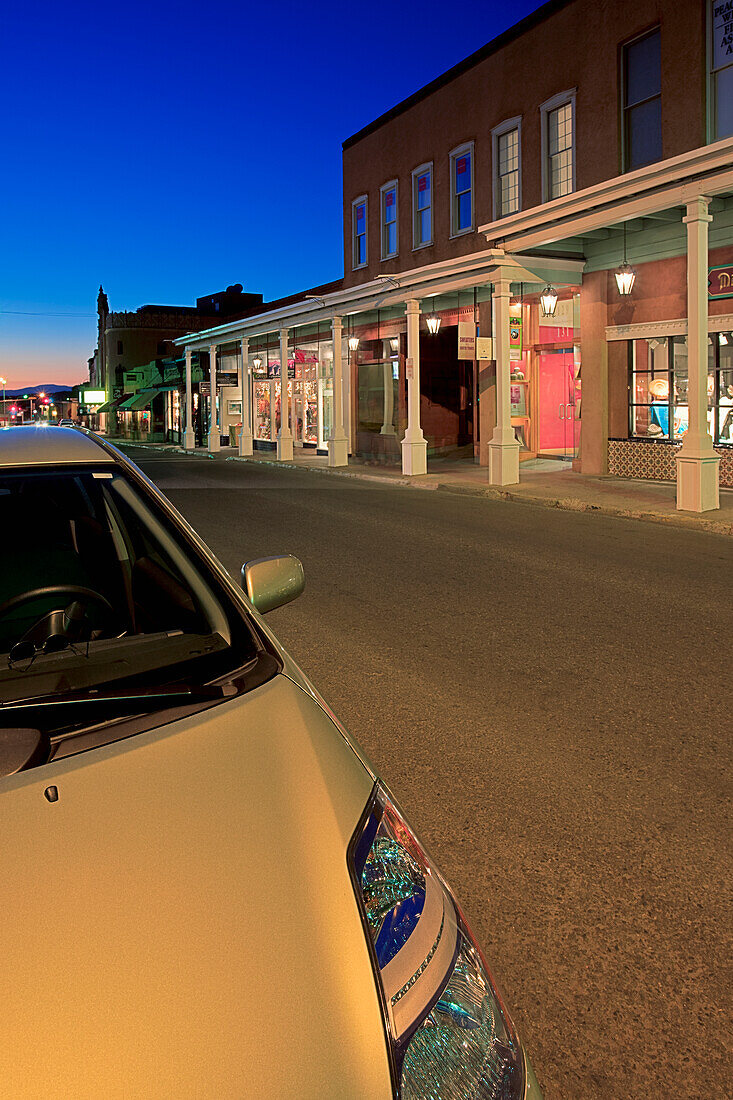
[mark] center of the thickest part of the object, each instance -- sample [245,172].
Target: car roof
[51,446]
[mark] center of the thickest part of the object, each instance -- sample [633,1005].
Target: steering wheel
[73,590]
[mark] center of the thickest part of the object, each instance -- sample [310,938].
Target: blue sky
[169,150]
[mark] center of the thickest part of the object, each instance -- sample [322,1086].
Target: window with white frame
[721,69]
[389,220]
[558,145]
[359,231]
[461,190]
[422,206]
[506,156]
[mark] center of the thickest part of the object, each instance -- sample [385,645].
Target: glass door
[559,403]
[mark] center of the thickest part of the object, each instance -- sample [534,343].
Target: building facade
[538,263]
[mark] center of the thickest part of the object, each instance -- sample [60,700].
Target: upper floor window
[642,101]
[119,347]
[721,69]
[422,206]
[506,145]
[359,231]
[389,220]
[461,188]
[558,145]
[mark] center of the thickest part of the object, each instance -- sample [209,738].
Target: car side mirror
[272,582]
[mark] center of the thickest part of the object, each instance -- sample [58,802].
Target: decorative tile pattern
[655,461]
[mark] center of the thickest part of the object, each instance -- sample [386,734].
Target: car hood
[181,921]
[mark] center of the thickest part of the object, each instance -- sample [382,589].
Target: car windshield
[99,590]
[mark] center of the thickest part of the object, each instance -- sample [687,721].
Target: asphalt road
[550,697]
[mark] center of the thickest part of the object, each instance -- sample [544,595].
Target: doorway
[559,403]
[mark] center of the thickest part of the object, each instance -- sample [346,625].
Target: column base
[338,452]
[285,448]
[387,429]
[697,482]
[503,463]
[189,440]
[246,445]
[414,457]
[213,441]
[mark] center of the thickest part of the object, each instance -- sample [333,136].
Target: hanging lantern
[625,278]
[625,274]
[257,362]
[433,323]
[353,343]
[394,343]
[548,299]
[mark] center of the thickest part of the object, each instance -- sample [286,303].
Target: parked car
[206,888]
[66,422]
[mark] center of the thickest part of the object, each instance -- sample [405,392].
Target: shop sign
[226,379]
[515,337]
[720,279]
[722,33]
[204,389]
[117,392]
[410,368]
[484,347]
[466,340]
[93,397]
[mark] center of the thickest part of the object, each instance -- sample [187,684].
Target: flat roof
[526,24]
[49,446]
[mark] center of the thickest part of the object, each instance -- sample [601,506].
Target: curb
[566,504]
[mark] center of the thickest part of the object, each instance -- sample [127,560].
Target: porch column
[697,462]
[189,437]
[387,425]
[214,440]
[414,444]
[284,436]
[338,451]
[245,436]
[503,446]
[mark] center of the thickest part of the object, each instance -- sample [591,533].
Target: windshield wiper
[166,693]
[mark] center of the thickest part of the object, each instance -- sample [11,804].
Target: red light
[13,409]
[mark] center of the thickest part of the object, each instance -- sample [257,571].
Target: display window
[658,388]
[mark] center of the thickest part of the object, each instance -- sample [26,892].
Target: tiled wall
[656,461]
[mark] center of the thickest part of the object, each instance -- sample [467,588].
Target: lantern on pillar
[353,340]
[625,275]
[548,300]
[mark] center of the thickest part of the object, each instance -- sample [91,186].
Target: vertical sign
[515,337]
[722,33]
[466,340]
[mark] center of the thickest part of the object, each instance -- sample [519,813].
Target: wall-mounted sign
[410,368]
[720,281]
[515,337]
[484,347]
[93,397]
[466,340]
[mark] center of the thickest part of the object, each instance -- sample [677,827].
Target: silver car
[206,889]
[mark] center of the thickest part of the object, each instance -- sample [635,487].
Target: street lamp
[548,298]
[4,384]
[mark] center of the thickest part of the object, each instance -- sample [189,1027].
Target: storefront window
[658,388]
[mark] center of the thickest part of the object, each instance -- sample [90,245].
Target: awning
[108,406]
[139,400]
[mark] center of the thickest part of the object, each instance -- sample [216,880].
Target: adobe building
[538,264]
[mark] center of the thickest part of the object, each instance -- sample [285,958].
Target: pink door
[559,405]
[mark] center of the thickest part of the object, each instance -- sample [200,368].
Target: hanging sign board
[410,368]
[720,279]
[484,347]
[515,337]
[466,340]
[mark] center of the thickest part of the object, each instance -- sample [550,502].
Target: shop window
[506,156]
[461,186]
[389,220]
[642,101]
[658,387]
[359,231]
[422,206]
[721,69]
[558,145]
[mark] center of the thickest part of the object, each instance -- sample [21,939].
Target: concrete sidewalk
[546,483]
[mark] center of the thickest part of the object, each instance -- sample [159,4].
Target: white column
[697,462]
[284,436]
[214,440]
[273,433]
[503,446]
[189,437]
[338,450]
[387,425]
[414,444]
[245,436]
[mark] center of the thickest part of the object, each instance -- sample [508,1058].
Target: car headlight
[450,1034]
